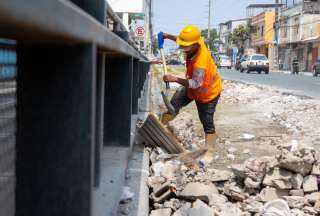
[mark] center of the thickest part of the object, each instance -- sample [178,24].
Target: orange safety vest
[211,86]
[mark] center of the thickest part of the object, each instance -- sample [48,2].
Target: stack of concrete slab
[156,134]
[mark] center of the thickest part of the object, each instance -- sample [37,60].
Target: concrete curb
[137,170]
[289,72]
[137,174]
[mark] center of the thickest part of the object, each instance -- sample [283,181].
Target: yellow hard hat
[189,35]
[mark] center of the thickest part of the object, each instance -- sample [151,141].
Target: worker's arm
[169,36]
[172,78]
[194,83]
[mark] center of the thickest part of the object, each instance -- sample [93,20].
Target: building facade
[262,26]
[225,29]
[299,33]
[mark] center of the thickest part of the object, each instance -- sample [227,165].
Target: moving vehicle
[224,61]
[316,68]
[239,61]
[255,62]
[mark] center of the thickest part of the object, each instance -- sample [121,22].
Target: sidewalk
[289,72]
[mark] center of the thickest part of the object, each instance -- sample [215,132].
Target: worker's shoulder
[204,59]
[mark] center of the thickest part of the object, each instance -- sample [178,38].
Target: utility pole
[277,35]
[209,18]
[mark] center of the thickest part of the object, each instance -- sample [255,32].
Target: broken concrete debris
[181,127]
[297,161]
[268,194]
[244,189]
[310,184]
[286,183]
[161,212]
[195,190]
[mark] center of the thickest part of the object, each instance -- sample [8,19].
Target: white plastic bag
[126,194]
[276,208]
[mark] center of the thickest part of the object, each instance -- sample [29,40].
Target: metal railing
[74,84]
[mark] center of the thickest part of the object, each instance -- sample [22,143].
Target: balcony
[311,7]
[306,6]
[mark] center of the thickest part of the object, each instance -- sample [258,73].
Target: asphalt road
[301,84]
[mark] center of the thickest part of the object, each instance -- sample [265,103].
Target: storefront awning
[311,39]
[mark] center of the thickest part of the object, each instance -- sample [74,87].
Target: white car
[255,62]
[224,61]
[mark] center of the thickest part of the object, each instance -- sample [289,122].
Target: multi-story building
[299,33]
[136,17]
[225,29]
[223,37]
[262,26]
[262,32]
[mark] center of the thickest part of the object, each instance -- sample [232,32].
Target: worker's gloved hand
[160,40]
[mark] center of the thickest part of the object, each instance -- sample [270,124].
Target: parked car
[155,61]
[173,62]
[255,62]
[316,68]
[215,58]
[239,61]
[224,62]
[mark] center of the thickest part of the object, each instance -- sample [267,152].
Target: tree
[213,37]
[155,50]
[239,36]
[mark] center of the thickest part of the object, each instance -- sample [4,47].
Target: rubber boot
[166,117]
[210,146]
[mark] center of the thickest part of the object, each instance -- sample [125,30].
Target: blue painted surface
[8,60]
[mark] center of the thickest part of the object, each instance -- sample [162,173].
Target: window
[259,57]
[296,26]
[285,28]
[224,57]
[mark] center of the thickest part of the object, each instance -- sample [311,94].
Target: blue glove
[160,40]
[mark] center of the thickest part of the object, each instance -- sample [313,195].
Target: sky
[171,15]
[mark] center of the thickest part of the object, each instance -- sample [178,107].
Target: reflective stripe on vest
[206,89]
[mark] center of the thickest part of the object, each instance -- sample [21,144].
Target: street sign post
[139,32]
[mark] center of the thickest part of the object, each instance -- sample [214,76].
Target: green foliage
[213,37]
[239,36]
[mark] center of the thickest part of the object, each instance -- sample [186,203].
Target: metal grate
[8,68]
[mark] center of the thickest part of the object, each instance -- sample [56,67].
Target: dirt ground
[232,121]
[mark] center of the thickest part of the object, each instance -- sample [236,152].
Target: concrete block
[310,184]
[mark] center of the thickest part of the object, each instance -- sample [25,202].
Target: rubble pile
[287,182]
[235,92]
[299,114]
[183,127]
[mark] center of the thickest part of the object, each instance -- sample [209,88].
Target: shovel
[164,95]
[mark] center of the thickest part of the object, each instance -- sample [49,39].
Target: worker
[202,83]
